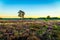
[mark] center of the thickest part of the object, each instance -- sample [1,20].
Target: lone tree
[21,14]
[0,18]
[48,17]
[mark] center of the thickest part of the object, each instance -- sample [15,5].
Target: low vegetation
[30,30]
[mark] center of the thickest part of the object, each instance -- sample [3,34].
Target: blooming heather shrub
[42,29]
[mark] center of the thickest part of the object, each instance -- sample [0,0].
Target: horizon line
[4,16]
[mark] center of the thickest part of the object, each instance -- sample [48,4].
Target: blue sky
[31,7]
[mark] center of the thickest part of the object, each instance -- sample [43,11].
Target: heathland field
[30,29]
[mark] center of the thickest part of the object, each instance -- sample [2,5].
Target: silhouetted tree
[21,13]
[48,17]
[0,18]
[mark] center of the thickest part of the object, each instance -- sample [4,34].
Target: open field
[24,30]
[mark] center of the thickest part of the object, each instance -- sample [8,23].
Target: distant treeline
[42,18]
